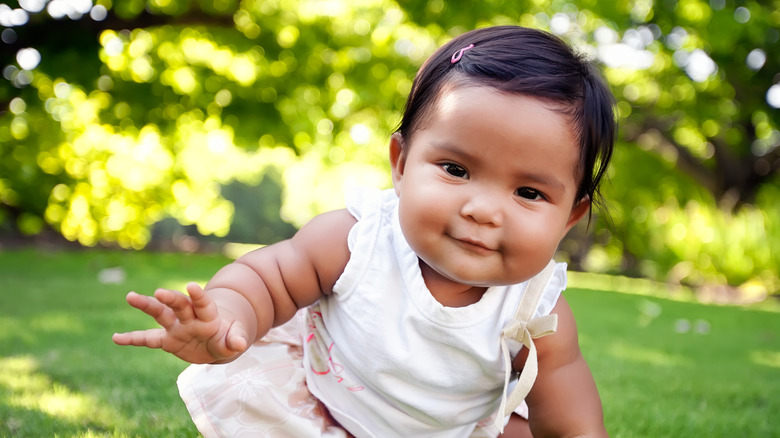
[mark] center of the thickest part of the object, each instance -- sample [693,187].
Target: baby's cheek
[535,240]
[536,229]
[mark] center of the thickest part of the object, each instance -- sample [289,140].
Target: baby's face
[487,187]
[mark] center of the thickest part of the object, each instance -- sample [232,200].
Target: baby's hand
[192,327]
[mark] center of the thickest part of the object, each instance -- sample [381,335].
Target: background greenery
[119,117]
[140,122]
[665,367]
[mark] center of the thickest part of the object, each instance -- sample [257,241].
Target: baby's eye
[455,170]
[529,193]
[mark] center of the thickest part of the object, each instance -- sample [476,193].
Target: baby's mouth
[474,244]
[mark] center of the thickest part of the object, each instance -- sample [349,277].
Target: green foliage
[678,230]
[154,111]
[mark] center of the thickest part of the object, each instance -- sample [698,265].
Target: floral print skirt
[263,393]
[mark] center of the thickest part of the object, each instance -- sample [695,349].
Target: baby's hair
[529,62]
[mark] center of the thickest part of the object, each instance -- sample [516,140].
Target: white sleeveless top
[386,358]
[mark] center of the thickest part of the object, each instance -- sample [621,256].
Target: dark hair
[533,63]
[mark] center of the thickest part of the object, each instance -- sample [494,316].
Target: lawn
[665,368]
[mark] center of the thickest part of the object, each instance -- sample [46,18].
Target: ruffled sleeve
[371,208]
[552,290]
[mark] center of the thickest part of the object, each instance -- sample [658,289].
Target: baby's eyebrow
[453,149]
[549,181]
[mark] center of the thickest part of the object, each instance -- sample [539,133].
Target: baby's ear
[397,159]
[578,211]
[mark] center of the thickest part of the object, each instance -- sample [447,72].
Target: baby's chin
[477,282]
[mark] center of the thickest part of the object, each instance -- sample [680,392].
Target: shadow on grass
[31,403]
[59,371]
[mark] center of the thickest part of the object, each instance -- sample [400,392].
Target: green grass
[60,374]
[719,378]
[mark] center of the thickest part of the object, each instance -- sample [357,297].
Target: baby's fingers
[152,307]
[204,307]
[180,304]
[151,338]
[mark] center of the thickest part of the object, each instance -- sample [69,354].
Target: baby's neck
[447,292]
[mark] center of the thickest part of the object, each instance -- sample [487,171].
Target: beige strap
[524,330]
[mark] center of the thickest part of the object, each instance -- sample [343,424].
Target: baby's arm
[564,401]
[262,289]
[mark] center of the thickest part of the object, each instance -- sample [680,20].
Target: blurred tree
[115,115]
[694,187]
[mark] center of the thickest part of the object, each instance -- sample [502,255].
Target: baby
[406,313]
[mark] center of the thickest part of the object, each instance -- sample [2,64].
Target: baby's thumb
[237,339]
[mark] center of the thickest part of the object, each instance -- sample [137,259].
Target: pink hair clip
[459,54]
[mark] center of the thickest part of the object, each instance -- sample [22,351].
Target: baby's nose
[483,209]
